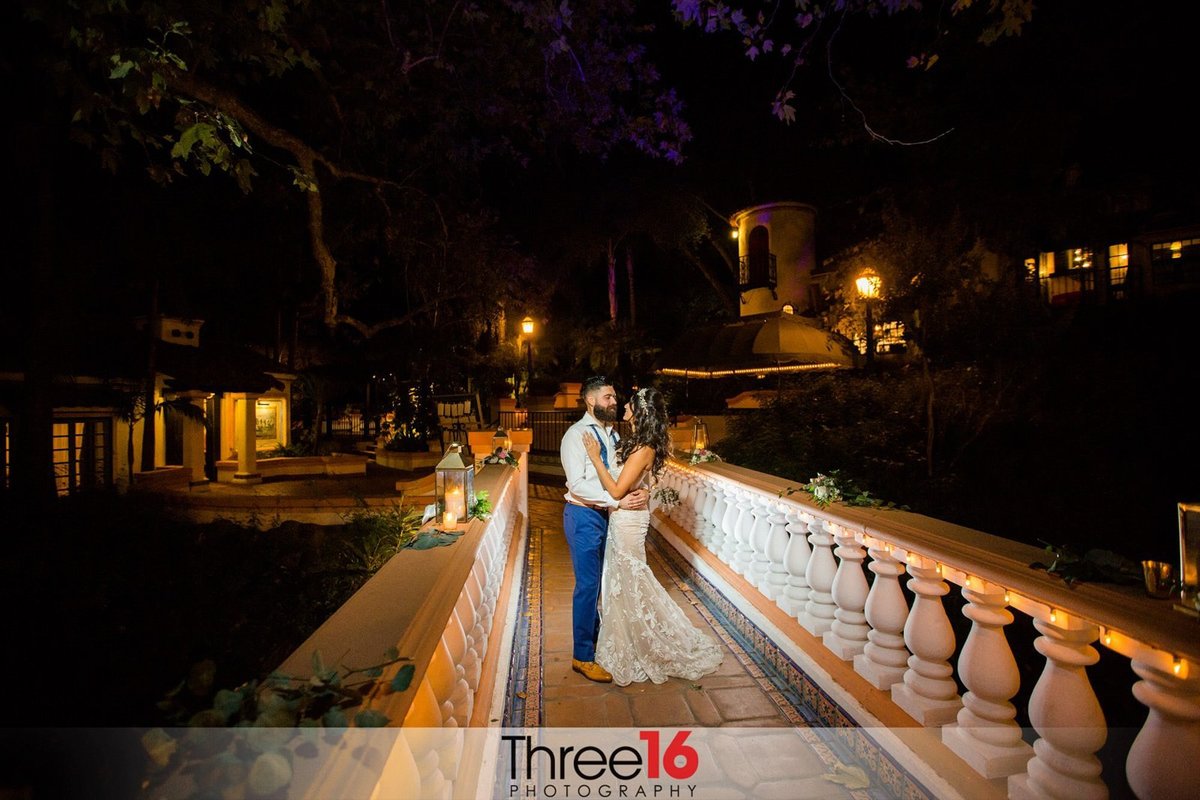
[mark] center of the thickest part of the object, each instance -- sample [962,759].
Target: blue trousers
[587,531]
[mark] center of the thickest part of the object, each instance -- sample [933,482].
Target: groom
[585,517]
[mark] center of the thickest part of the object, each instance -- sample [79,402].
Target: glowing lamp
[868,284]
[501,440]
[699,435]
[527,326]
[454,484]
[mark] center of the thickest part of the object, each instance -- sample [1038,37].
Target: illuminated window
[1175,261]
[1174,251]
[82,454]
[1118,263]
[1031,269]
[889,338]
[1045,265]
[1079,258]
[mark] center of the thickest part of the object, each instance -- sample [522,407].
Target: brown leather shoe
[591,670]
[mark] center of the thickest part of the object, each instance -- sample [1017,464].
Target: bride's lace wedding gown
[644,634]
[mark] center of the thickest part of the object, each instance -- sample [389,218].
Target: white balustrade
[795,561]
[743,554]
[820,609]
[777,542]
[987,736]
[759,565]
[1066,715]
[711,513]
[786,548]
[728,533]
[848,634]
[1163,758]
[928,692]
[884,658]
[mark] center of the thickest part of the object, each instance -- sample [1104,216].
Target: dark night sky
[1090,100]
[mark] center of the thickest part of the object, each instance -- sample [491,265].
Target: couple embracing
[638,633]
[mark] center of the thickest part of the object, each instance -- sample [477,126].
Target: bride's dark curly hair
[650,426]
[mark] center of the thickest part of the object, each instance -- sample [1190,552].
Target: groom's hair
[593,384]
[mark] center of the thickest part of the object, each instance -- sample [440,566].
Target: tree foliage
[795,34]
[376,113]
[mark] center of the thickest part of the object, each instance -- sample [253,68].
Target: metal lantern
[501,440]
[699,436]
[454,485]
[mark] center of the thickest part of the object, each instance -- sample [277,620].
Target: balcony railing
[809,562]
[757,271]
[549,427]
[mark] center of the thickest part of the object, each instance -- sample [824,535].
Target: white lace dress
[644,634]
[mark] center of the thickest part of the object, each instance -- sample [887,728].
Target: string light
[1107,638]
[1007,597]
[939,569]
[1177,666]
[1053,615]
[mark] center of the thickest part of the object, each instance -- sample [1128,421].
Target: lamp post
[868,284]
[527,330]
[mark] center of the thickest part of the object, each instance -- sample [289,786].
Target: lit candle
[449,519]
[454,501]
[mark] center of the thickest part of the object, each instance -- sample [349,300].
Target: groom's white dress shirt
[583,484]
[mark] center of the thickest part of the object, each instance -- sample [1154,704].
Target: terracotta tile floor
[730,696]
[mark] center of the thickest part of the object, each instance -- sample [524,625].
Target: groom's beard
[608,415]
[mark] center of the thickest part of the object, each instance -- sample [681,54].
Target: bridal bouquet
[700,456]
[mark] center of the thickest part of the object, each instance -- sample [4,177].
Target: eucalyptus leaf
[371,719]
[335,718]
[403,678]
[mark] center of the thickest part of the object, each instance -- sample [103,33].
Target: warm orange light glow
[733,233]
[1007,597]
[725,373]
[1177,666]
[1053,615]
[1176,249]
[868,284]
[527,326]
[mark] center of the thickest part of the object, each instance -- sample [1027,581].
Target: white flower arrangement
[701,456]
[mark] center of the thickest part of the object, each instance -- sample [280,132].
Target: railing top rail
[406,604]
[994,559]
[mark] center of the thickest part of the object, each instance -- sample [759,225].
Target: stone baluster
[461,697]
[820,609]
[1167,748]
[1067,716]
[777,542]
[848,634]
[729,525]
[759,564]
[715,518]
[422,721]
[685,511]
[695,512]
[928,692]
[743,554]
[795,561]
[884,658]
[472,659]
[986,735]
[709,513]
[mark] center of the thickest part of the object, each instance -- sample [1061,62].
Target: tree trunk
[632,298]
[929,417]
[149,415]
[612,282]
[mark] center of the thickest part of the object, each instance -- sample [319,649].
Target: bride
[644,635]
